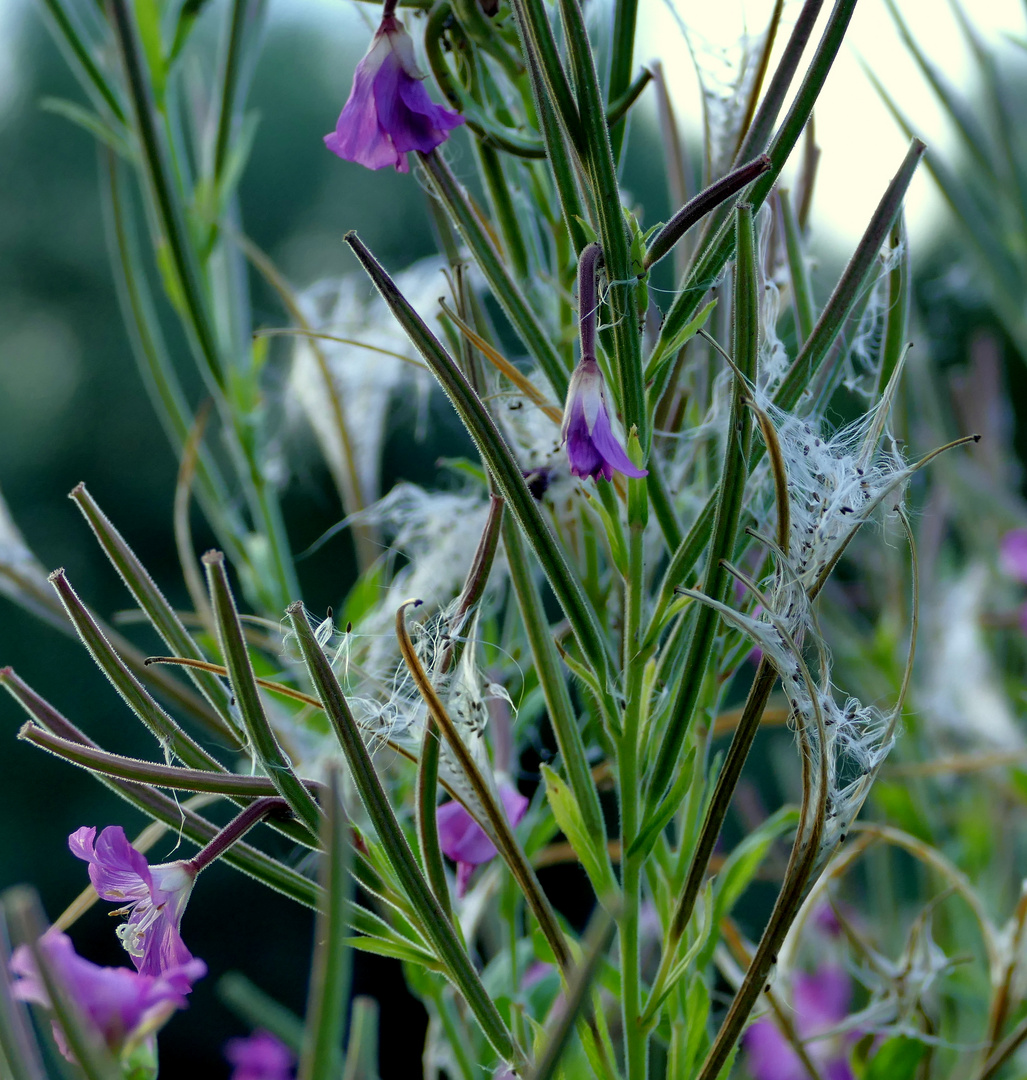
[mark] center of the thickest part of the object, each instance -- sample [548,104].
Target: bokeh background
[72,406]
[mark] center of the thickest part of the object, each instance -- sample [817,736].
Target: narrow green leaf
[969,126]
[595,945]
[161,614]
[395,950]
[132,692]
[263,744]
[798,271]
[89,121]
[739,868]
[260,1010]
[656,822]
[590,848]
[362,1052]
[63,26]
[321,1058]
[663,354]
[850,285]
[553,683]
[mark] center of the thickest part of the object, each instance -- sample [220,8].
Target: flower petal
[260,1057]
[611,450]
[118,872]
[1013,554]
[121,1004]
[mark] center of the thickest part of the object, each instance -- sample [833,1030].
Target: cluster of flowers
[128,1007]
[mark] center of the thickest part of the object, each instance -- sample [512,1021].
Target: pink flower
[389,111]
[1013,554]
[260,1057]
[1012,558]
[464,841]
[592,447]
[156,896]
[126,1008]
[821,1002]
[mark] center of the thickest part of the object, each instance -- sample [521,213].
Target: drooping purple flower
[388,111]
[260,1057]
[464,841]
[154,896]
[125,1007]
[592,448]
[821,1002]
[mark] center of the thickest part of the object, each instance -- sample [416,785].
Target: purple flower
[125,1007]
[260,1057]
[389,111]
[821,1002]
[1013,554]
[592,447]
[464,841]
[156,896]
[1012,558]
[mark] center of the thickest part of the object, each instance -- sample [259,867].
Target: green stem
[330,966]
[625,18]
[242,13]
[537,36]
[89,75]
[557,154]
[166,203]
[491,168]
[728,509]
[635,1036]
[798,273]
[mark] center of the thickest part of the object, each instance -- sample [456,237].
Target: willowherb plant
[601,576]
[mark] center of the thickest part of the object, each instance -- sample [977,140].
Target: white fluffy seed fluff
[364,379]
